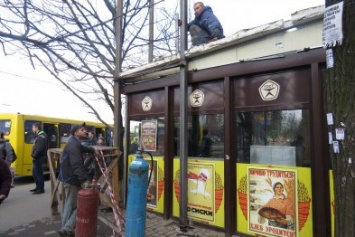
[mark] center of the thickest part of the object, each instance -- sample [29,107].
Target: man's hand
[3,197]
[97,150]
[87,184]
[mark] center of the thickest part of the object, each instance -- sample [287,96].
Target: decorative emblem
[269,90]
[147,103]
[196,98]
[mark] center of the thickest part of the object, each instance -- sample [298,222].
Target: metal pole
[151,31]
[183,115]
[177,49]
[118,124]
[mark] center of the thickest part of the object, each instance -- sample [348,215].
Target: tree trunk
[340,100]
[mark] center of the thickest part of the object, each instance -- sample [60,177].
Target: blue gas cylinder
[137,197]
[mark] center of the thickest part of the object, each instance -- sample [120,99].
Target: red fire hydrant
[87,209]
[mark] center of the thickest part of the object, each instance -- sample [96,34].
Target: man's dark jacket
[5,178]
[209,22]
[72,169]
[39,148]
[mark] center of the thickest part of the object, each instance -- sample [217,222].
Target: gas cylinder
[137,197]
[87,210]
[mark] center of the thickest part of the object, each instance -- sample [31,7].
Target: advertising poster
[200,204]
[149,135]
[152,192]
[274,200]
[332,201]
[155,192]
[205,191]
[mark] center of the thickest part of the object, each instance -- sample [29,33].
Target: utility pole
[183,116]
[151,31]
[118,123]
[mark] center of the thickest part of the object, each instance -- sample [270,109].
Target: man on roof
[205,27]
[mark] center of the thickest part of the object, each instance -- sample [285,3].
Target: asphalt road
[22,206]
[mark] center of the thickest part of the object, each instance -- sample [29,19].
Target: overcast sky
[29,91]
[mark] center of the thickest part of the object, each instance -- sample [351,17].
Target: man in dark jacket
[205,27]
[39,155]
[5,180]
[7,154]
[73,175]
[92,141]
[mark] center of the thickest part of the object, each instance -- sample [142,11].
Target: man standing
[5,180]
[111,141]
[205,27]
[7,154]
[39,155]
[74,176]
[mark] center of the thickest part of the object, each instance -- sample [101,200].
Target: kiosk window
[148,135]
[279,137]
[205,134]
[64,131]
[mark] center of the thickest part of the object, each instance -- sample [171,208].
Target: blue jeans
[69,214]
[37,172]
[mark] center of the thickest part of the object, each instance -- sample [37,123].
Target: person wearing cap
[74,176]
[39,155]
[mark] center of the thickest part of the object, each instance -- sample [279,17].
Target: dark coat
[72,169]
[5,178]
[209,22]
[6,151]
[39,148]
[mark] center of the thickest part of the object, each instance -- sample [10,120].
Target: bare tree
[75,41]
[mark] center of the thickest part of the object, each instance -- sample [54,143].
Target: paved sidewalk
[156,226]
[48,227]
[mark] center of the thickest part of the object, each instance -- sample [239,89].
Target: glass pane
[147,134]
[29,135]
[273,137]
[206,136]
[5,126]
[64,131]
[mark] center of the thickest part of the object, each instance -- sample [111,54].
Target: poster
[149,135]
[152,192]
[205,180]
[332,202]
[272,202]
[255,188]
[333,25]
[201,188]
[155,192]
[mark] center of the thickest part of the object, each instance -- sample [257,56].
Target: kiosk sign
[333,25]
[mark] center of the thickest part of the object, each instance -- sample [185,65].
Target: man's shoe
[70,233]
[33,190]
[38,192]
[62,233]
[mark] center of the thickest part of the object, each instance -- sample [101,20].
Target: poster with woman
[272,202]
